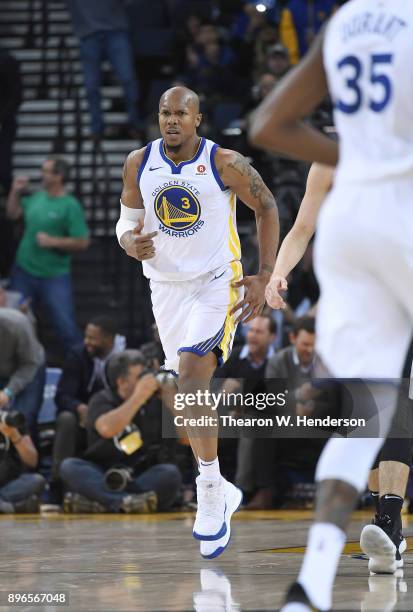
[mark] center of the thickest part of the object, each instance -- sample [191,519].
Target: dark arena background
[80,83]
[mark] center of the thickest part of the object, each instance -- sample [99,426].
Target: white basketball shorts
[364,264]
[193,316]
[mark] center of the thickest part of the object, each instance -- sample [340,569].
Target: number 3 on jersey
[354,70]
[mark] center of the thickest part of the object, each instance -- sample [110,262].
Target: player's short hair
[119,364]
[306,323]
[106,324]
[272,324]
[60,166]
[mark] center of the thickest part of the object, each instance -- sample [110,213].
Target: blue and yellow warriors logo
[178,210]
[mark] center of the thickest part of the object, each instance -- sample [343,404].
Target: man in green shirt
[54,228]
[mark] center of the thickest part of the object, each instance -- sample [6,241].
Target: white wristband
[128,220]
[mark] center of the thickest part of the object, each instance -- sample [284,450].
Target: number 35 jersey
[368,56]
[192,211]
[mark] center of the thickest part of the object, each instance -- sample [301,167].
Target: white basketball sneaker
[210,517]
[384,544]
[233,500]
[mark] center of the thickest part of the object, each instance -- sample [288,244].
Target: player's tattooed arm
[243,179]
[238,175]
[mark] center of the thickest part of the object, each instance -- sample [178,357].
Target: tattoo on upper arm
[257,187]
[125,170]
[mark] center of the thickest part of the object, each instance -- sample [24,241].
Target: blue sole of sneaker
[221,549]
[211,538]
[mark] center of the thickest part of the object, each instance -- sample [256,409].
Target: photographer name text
[272,421]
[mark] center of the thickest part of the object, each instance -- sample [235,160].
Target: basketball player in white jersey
[382,541]
[364,243]
[178,218]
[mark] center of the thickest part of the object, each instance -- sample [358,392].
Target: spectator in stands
[83,375]
[22,367]
[262,87]
[267,37]
[277,61]
[244,371]
[20,487]
[54,229]
[124,428]
[291,366]
[300,22]
[192,27]
[211,67]
[297,361]
[102,29]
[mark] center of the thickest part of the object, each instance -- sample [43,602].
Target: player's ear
[198,119]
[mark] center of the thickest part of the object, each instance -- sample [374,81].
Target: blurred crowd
[98,445]
[98,435]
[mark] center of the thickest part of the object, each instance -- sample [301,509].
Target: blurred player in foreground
[383,540]
[364,244]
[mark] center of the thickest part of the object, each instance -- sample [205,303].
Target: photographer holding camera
[19,489]
[124,468]
[22,367]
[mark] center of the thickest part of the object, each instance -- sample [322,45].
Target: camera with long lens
[12,418]
[117,478]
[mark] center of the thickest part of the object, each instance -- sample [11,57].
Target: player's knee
[194,368]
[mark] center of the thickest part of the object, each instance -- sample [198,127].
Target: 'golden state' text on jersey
[192,211]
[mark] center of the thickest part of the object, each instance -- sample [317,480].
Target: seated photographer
[22,367]
[125,466]
[19,488]
[83,375]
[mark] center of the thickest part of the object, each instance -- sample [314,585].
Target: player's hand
[146,387]
[45,240]
[138,245]
[254,300]
[272,292]
[10,432]
[82,410]
[20,183]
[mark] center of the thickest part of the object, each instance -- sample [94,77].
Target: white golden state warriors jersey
[368,56]
[192,211]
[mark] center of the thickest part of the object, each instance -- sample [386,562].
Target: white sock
[324,546]
[209,470]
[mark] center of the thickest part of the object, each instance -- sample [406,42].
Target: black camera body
[12,418]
